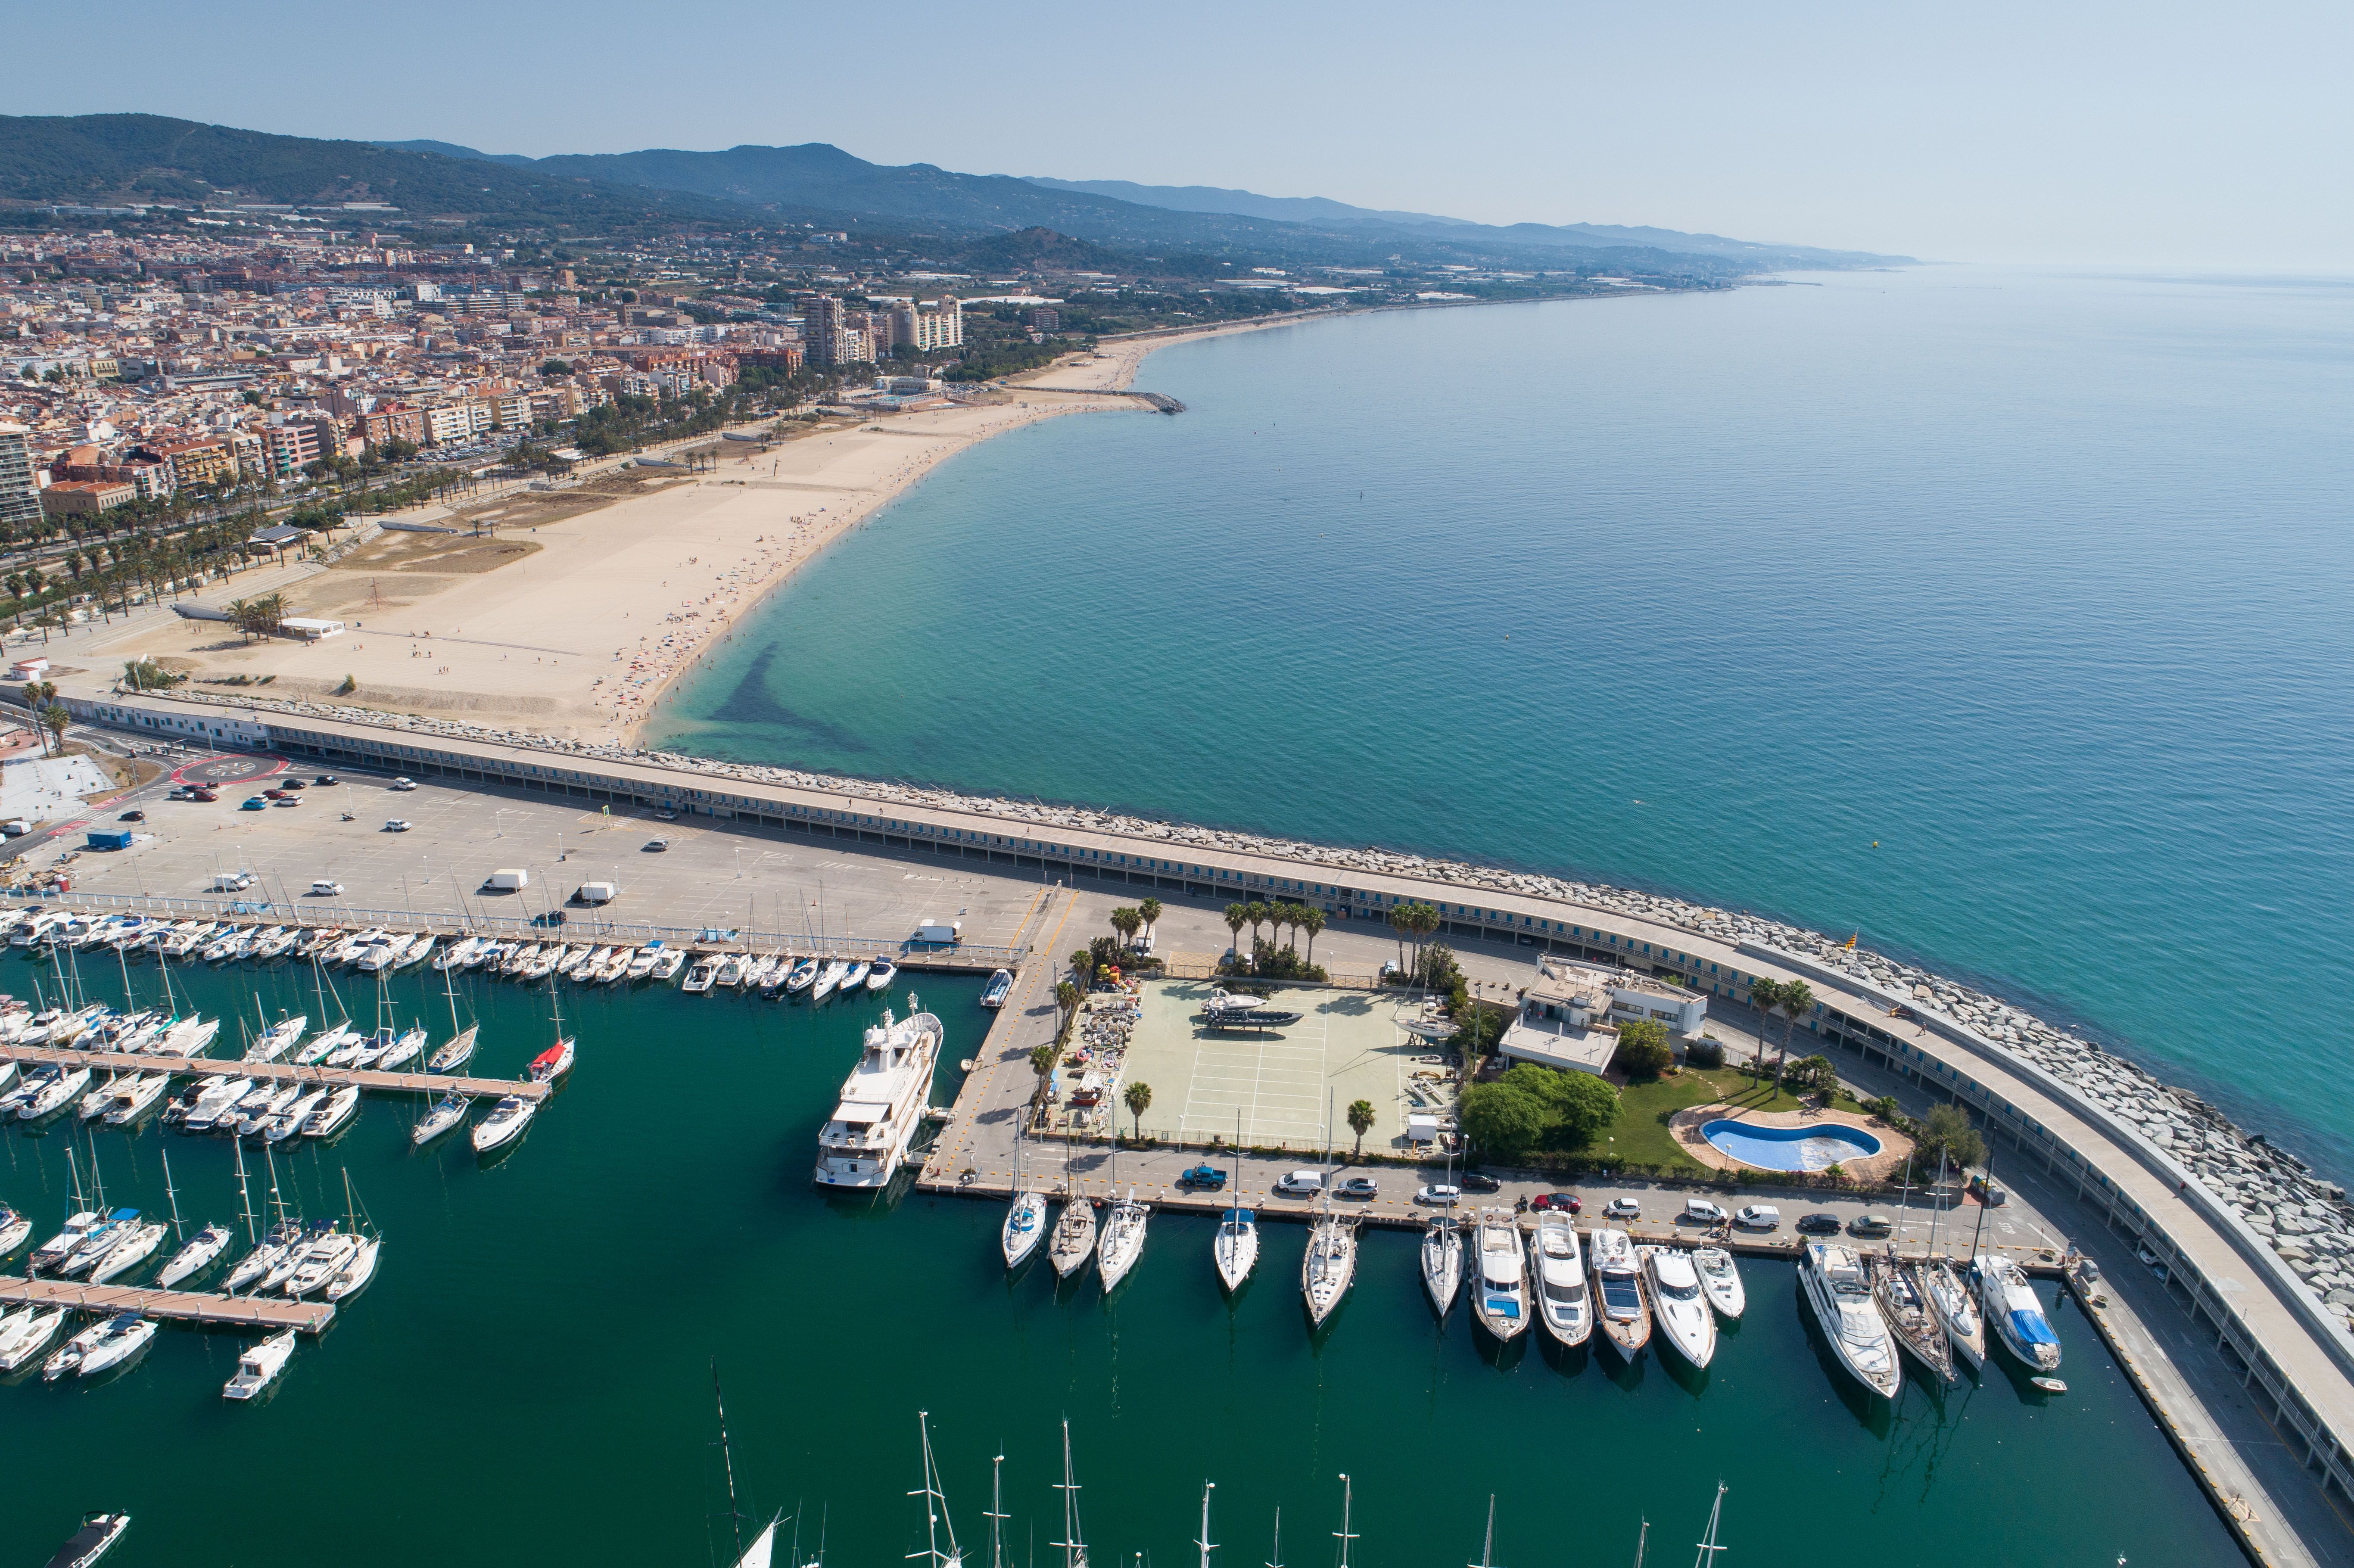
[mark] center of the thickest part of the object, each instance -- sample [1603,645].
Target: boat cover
[2030,1329]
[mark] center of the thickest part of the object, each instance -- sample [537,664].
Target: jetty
[429,1084]
[209,1310]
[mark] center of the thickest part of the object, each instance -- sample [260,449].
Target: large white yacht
[2013,1311]
[1500,1286]
[1830,1276]
[1679,1304]
[1721,1279]
[1619,1280]
[883,1101]
[1563,1303]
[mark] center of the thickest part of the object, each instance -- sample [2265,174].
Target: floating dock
[180,1305]
[433,1084]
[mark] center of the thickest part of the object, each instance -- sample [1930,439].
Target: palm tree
[1764,995]
[1400,922]
[1424,921]
[1259,914]
[1360,1122]
[1795,999]
[1083,967]
[1237,917]
[1126,922]
[1066,997]
[33,713]
[1138,1096]
[1150,907]
[1311,920]
[1041,1062]
[57,718]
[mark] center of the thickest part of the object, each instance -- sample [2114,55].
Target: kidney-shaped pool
[1814,1148]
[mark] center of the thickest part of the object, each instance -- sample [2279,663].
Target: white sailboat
[1025,1219]
[937,1523]
[1122,1242]
[195,1257]
[1679,1304]
[1442,1262]
[2008,1305]
[134,1247]
[1075,1228]
[1328,1266]
[1235,1247]
[447,1112]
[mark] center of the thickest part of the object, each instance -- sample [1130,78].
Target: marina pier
[277,1071]
[202,1308]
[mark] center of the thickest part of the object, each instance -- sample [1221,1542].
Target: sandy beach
[575,627]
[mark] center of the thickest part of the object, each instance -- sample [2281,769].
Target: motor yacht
[1679,1304]
[278,943]
[2007,1304]
[447,1112]
[32,1337]
[641,962]
[52,1254]
[1075,1237]
[1624,1307]
[254,1116]
[188,1037]
[1328,1266]
[357,1270]
[700,976]
[553,1062]
[375,952]
[134,1247]
[1122,1242]
[827,978]
[193,1259]
[519,958]
[491,958]
[317,1235]
[1500,1286]
[1721,1279]
[1442,1262]
[216,1099]
[35,1079]
[1235,1248]
[730,973]
[404,1049]
[668,963]
[1224,1010]
[14,1326]
[1000,987]
[15,1230]
[290,1117]
[260,1367]
[223,947]
[56,1095]
[880,974]
[322,1264]
[136,1098]
[504,1125]
[456,1053]
[882,1104]
[278,1038]
[317,941]
[1950,1299]
[620,966]
[125,1337]
[761,970]
[1831,1280]
[1558,1268]
[1025,1228]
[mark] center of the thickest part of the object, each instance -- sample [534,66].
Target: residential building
[445,422]
[20,487]
[1044,319]
[83,497]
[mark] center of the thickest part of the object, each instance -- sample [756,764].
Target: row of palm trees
[1281,916]
[49,715]
[1792,1000]
[1413,922]
[1127,922]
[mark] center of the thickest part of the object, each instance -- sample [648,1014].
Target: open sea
[2003,617]
[528,1379]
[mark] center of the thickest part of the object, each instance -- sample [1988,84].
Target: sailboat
[1442,1261]
[1025,1220]
[1235,1247]
[1904,1305]
[1123,1241]
[352,1276]
[1073,1544]
[1074,1229]
[937,1523]
[556,1060]
[1328,1266]
[764,1545]
[459,1049]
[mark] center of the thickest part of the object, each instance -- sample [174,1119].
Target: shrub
[351,683]
[1502,1117]
[1577,1105]
[1643,1051]
[1707,1051]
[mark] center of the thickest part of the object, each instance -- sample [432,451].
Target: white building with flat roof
[1570,1014]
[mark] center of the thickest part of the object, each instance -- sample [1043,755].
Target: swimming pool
[1790,1147]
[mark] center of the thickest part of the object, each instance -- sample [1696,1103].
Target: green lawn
[1640,1134]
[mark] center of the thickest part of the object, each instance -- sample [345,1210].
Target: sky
[2156,133]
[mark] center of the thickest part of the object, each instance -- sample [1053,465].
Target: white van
[16,827]
[1300,1183]
[232,881]
[1758,1217]
[322,888]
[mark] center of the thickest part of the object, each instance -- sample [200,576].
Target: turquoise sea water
[2000,617]
[527,1380]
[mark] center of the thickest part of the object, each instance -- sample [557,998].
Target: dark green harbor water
[527,1380]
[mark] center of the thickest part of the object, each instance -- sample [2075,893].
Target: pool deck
[1893,1145]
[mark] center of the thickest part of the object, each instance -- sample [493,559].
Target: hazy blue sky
[2154,133]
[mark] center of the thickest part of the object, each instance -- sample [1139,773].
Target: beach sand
[573,627]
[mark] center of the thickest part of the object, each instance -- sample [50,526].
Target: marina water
[2001,617]
[527,1378]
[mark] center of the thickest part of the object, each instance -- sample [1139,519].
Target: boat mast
[1074,1551]
[1488,1541]
[1344,1535]
[936,1506]
[1203,1541]
[271,1159]
[1988,1177]
[245,1196]
[997,1514]
[1938,1204]
[1641,1541]
[97,1180]
[177,1233]
[735,1515]
[1708,1547]
[1275,1557]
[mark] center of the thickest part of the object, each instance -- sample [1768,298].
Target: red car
[1566,1202]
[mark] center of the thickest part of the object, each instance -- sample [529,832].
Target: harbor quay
[887,865]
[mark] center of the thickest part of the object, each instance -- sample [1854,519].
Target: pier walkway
[429,1084]
[180,1305]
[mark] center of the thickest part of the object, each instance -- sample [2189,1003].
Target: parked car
[1821,1224]
[287,800]
[326,778]
[1474,1182]
[1701,1212]
[1985,1192]
[295,784]
[1300,1183]
[1758,1217]
[1358,1187]
[204,796]
[1872,1225]
[1438,1196]
[132,817]
[656,846]
[397,825]
[1560,1202]
[322,888]
[404,784]
[1202,1178]
[255,803]
[665,815]
[273,794]
[1622,1209]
